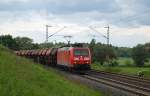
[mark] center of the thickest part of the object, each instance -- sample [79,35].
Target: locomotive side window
[82,52]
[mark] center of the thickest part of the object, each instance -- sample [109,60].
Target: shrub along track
[131,84]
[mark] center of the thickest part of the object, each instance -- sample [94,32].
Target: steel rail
[119,85]
[131,84]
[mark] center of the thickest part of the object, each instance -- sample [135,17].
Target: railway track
[130,84]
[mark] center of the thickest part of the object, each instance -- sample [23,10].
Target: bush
[114,63]
[143,73]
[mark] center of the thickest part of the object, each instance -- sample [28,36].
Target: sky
[128,20]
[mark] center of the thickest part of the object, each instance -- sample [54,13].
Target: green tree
[9,42]
[147,49]
[101,52]
[24,43]
[35,46]
[139,55]
[91,46]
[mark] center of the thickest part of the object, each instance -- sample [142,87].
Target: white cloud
[33,26]
[10,1]
[32,23]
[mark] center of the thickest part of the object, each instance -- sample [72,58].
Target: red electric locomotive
[77,58]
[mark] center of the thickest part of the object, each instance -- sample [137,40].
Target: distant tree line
[18,43]
[24,43]
[101,53]
[123,51]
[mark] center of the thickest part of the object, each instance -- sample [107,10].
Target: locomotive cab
[81,58]
[78,58]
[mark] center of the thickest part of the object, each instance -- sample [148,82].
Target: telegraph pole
[107,35]
[47,33]
[107,56]
[48,36]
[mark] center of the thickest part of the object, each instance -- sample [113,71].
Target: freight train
[72,58]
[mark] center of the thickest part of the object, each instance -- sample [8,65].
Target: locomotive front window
[81,52]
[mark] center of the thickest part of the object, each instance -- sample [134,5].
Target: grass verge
[21,77]
[123,70]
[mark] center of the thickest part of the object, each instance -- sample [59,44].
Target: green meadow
[125,66]
[21,77]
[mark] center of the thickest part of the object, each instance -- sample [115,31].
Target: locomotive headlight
[75,58]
